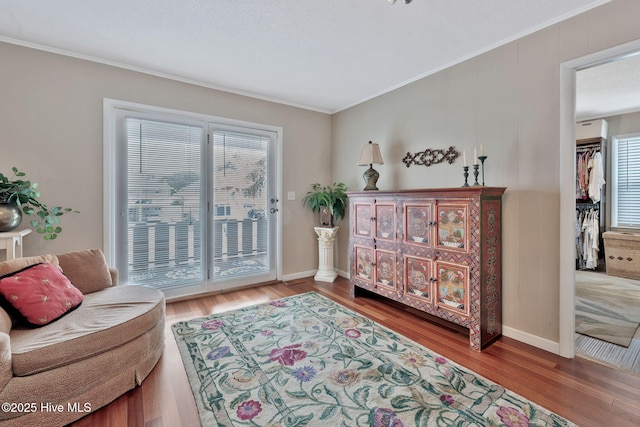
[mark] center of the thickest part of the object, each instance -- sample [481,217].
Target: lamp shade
[370,154]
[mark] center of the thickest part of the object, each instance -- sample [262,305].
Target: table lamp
[369,155]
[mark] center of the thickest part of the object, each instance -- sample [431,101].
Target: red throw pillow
[40,293]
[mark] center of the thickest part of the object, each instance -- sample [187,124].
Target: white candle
[464,157]
[482,149]
[475,156]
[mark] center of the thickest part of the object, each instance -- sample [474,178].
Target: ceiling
[324,55]
[609,89]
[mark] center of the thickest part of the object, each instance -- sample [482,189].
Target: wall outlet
[291,195]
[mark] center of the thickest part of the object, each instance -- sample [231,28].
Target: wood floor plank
[587,393]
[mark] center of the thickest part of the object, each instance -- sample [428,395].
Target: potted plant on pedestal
[18,196]
[329,200]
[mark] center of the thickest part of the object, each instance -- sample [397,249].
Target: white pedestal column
[326,239]
[11,241]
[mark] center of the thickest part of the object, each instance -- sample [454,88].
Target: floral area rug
[308,361]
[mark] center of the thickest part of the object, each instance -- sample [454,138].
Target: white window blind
[626,182]
[164,198]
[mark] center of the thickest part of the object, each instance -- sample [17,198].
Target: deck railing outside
[163,254]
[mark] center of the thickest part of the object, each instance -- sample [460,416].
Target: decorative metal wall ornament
[429,157]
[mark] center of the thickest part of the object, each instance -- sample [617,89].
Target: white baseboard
[527,338]
[311,273]
[299,275]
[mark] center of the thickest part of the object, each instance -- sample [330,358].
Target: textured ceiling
[325,55]
[608,89]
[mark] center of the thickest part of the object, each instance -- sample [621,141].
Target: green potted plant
[329,200]
[18,195]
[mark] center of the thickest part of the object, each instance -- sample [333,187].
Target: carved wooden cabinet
[436,250]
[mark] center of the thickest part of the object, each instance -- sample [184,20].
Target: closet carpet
[607,307]
[624,297]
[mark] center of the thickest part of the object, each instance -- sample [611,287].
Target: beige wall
[509,101]
[622,124]
[51,127]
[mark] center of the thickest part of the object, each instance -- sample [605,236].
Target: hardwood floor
[582,391]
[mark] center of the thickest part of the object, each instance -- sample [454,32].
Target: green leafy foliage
[180,180]
[257,179]
[333,197]
[25,194]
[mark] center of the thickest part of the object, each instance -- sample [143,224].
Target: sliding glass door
[194,203]
[243,219]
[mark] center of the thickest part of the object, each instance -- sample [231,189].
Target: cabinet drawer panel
[452,287]
[364,264]
[453,227]
[418,278]
[385,269]
[385,221]
[418,224]
[363,215]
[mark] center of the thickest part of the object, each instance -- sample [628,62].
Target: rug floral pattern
[308,361]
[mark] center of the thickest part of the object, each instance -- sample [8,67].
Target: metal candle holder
[466,175]
[475,174]
[482,159]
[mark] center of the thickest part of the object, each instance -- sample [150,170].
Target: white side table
[11,241]
[326,239]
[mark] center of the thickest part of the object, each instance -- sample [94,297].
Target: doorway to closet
[607,306]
